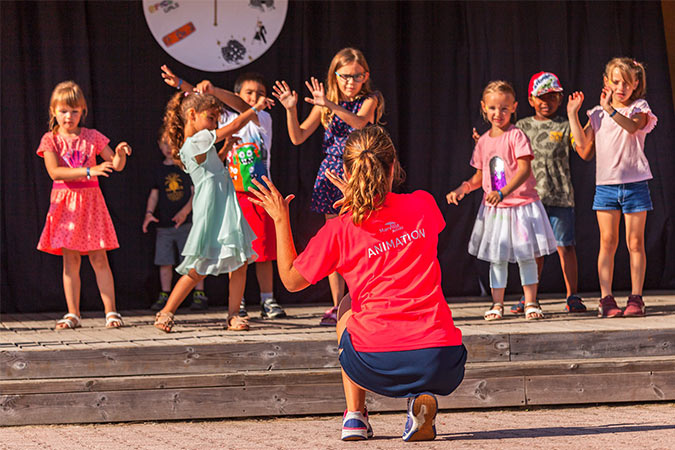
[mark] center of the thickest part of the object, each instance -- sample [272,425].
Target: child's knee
[609,241]
[196,277]
[635,244]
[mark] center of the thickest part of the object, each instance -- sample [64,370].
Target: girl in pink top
[616,132]
[78,222]
[512,225]
[395,329]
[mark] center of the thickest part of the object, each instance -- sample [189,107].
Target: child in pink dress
[512,225]
[78,222]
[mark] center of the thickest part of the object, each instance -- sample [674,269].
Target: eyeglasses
[357,77]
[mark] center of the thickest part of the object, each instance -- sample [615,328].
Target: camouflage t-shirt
[551,141]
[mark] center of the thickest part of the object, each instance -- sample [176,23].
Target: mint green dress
[220,238]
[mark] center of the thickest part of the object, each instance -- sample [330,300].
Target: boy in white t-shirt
[249,159]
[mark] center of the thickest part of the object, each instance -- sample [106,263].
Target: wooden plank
[487,347]
[592,344]
[600,388]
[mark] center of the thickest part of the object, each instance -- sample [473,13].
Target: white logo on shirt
[390,227]
[404,239]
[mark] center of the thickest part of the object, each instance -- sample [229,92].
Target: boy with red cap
[551,140]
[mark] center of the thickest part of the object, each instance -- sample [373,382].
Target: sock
[265,295]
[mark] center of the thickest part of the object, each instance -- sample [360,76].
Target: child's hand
[574,102]
[179,218]
[475,135]
[263,103]
[103,169]
[606,99]
[123,147]
[287,98]
[149,217]
[227,146]
[205,87]
[493,198]
[169,77]
[317,91]
[455,196]
[271,199]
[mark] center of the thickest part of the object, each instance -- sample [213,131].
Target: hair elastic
[613,113]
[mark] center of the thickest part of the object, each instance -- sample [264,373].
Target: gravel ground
[648,426]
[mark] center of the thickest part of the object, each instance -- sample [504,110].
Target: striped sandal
[69,321]
[113,320]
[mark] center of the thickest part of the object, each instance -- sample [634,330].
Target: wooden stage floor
[289,366]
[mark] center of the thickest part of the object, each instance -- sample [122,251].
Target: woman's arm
[361,119]
[277,207]
[296,131]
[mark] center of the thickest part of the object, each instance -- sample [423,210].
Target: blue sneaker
[354,426]
[421,423]
[270,309]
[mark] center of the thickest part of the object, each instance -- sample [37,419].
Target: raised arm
[228,97]
[365,115]
[583,137]
[242,119]
[277,207]
[296,131]
[174,81]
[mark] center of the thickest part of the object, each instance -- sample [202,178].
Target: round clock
[215,35]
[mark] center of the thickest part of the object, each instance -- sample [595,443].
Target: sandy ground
[648,426]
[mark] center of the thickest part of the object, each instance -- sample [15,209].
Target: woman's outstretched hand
[271,199]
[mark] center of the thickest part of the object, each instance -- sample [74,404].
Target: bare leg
[264,272]
[635,240]
[165,277]
[181,290]
[568,262]
[530,291]
[71,280]
[104,278]
[355,395]
[540,266]
[335,280]
[237,287]
[608,222]
[200,285]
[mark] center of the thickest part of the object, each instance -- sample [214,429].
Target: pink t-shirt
[76,151]
[498,157]
[620,156]
[391,266]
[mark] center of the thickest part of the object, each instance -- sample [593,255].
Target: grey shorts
[169,244]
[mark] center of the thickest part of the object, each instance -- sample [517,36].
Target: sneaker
[160,302]
[369,431]
[608,307]
[575,304]
[242,309]
[421,422]
[519,307]
[200,301]
[635,307]
[270,309]
[354,426]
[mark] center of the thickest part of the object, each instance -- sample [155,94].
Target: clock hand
[215,13]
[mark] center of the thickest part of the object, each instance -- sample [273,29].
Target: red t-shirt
[498,157]
[391,267]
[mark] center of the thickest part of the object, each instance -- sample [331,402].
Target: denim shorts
[438,370]
[562,222]
[628,197]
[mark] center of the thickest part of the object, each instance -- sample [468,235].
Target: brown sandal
[237,323]
[164,321]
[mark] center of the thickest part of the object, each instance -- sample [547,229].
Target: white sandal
[113,318]
[70,321]
[494,311]
[533,308]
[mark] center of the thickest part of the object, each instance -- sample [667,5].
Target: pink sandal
[329,318]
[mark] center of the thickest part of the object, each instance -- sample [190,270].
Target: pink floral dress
[78,218]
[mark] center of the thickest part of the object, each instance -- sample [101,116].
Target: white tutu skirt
[512,234]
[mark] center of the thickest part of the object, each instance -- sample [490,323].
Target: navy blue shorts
[562,222]
[438,370]
[628,197]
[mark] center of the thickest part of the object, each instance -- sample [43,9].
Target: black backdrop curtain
[429,59]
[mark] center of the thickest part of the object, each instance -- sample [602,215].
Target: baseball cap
[542,83]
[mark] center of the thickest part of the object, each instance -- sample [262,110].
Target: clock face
[215,35]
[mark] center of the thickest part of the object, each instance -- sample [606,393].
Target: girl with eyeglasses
[345,104]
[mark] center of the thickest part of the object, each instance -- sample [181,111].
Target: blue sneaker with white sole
[421,422]
[355,426]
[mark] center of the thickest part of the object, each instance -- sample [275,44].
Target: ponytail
[369,159]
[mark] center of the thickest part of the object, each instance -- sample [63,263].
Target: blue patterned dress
[334,138]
